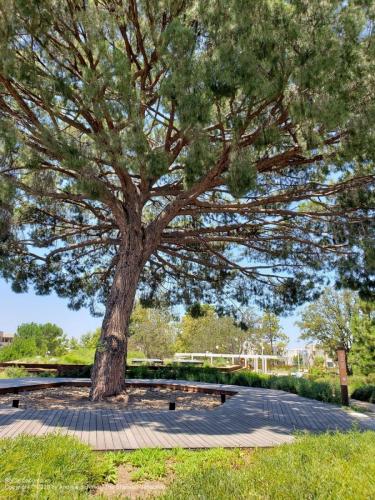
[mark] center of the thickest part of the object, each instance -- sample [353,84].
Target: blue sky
[27,307]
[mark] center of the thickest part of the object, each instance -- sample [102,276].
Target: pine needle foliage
[221,135]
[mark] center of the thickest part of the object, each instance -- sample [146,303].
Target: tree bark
[108,374]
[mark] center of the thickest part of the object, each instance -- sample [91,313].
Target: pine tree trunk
[108,374]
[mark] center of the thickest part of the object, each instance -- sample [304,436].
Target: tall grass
[51,467]
[330,466]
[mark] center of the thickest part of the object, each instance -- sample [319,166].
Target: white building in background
[5,338]
[305,356]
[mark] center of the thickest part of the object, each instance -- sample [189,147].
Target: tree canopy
[362,355]
[271,333]
[327,321]
[191,149]
[211,121]
[341,319]
[202,330]
[209,333]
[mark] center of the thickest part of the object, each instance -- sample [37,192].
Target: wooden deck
[251,418]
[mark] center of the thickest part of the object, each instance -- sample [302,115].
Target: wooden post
[223,398]
[341,356]
[172,405]
[15,403]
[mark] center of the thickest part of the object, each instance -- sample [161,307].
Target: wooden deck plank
[67,422]
[79,425]
[116,439]
[92,437]
[46,417]
[6,418]
[100,442]
[126,432]
[85,434]
[106,431]
[165,439]
[35,422]
[162,429]
[137,429]
[73,423]
[54,425]
[22,420]
[122,431]
[192,433]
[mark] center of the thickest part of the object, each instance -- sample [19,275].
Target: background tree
[32,339]
[271,334]
[210,333]
[144,141]
[362,355]
[328,320]
[152,331]
[90,340]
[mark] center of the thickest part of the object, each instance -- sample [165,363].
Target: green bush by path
[365,393]
[49,467]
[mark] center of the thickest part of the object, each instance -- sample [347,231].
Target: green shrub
[52,466]
[239,379]
[365,393]
[326,391]
[317,372]
[135,354]
[79,356]
[47,374]
[75,371]
[356,381]
[15,372]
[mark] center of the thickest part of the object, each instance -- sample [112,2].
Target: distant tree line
[335,318]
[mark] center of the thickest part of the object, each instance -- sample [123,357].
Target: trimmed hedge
[365,393]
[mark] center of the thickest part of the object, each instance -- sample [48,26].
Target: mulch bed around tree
[135,398]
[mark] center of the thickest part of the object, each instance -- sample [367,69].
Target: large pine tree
[195,147]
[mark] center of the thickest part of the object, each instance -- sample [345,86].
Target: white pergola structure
[252,359]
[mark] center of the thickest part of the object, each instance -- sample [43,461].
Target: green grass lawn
[51,466]
[330,466]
